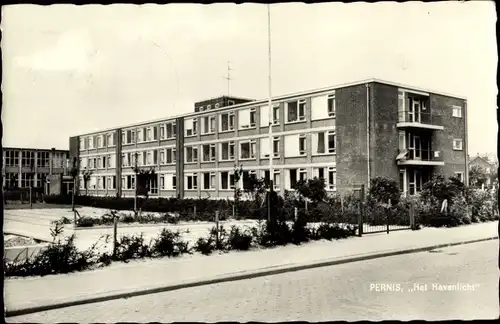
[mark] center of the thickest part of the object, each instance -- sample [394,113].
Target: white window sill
[230,160]
[323,154]
[323,118]
[226,131]
[128,144]
[267,157]
[211,189]
[457,116]
[196,162]
[167,138]
[190,136]
[191,190]
[210,133]
[247,159]
[295,122]
[211,161]
[247,128]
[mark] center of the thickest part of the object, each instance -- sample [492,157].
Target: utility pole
[271,153]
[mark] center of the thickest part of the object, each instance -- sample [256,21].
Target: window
[227,121]
[162,181]
[230,102]
[141,136]
[227,151]
[302,144]
[110,140]
[216,105]
[459,176]
[174,182]
[276,114]
[91,142]
[325,142]
[332,179]
[27,180]
[170,154]
[28,159]
[42,159]
[149,134]
[457,111]
[11,158]
[191,127]
[302,174]
[457,144]
[209,107]
[292,173]
[208,124]
[226,180]
[82,143]
[247,150]
[191,154]
[128,182]
[192,182]
[264,147]
[99,141]
[208,152]
[296,111]
[149,158]
[171,130]
[41,180]
[331,105]
[208,180]
[162,131]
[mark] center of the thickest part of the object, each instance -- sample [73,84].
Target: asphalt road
[405,287]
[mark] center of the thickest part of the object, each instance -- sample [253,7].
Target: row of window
[28,159]
[101,162]
[209,180]
[147,134]
[11,180]
[97,141]
[322,107]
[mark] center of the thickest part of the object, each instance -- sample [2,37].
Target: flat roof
[4,148]
[276,98]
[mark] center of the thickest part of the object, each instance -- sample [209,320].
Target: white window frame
[252,148]
[194,157]
[458,147]
[194,129]
[211,153]
[210,119]
[333,111]
[193,176]
[173,129]
[331,186]
[230,125]
[91,142]
[300,118]
[230,157]
[303,152]
[457,111]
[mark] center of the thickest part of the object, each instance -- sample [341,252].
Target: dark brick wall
[455,161]
[383,131]
[352,168]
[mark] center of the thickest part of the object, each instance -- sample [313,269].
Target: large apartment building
[23,167]
[346,134]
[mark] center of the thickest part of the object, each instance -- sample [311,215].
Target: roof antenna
[228,77]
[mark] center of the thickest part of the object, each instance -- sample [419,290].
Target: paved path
[142,274]
[343,292]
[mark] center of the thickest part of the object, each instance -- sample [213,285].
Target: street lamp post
[271,153]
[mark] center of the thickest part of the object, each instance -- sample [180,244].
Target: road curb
[235,277]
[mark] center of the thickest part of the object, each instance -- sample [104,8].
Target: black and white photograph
[223,162]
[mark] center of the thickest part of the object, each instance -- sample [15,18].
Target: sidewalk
[121,278]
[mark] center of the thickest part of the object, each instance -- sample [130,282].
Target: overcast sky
[75,69]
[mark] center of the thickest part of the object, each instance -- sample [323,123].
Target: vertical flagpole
[271,153]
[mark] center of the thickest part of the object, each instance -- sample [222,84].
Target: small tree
[478,175]
[86,178]
[256,188]
[238,173]
[312,189]
[383,190]
[74,175]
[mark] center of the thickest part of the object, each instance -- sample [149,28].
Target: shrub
[169,244]
[384,189]
[86,221]
[204,245]
[238,239]
[274,233]
[300,232]
[333,231]
[132,247]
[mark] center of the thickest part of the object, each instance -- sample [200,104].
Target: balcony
[420,157]
[412,119]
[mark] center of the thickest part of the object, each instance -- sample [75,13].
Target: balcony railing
[420,118]
[420,155]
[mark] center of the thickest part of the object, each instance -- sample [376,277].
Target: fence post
[194,209]
[217,228]
[31,200]
[361,210]
[115,232]
[295,210]
[306,204]
[388,215]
